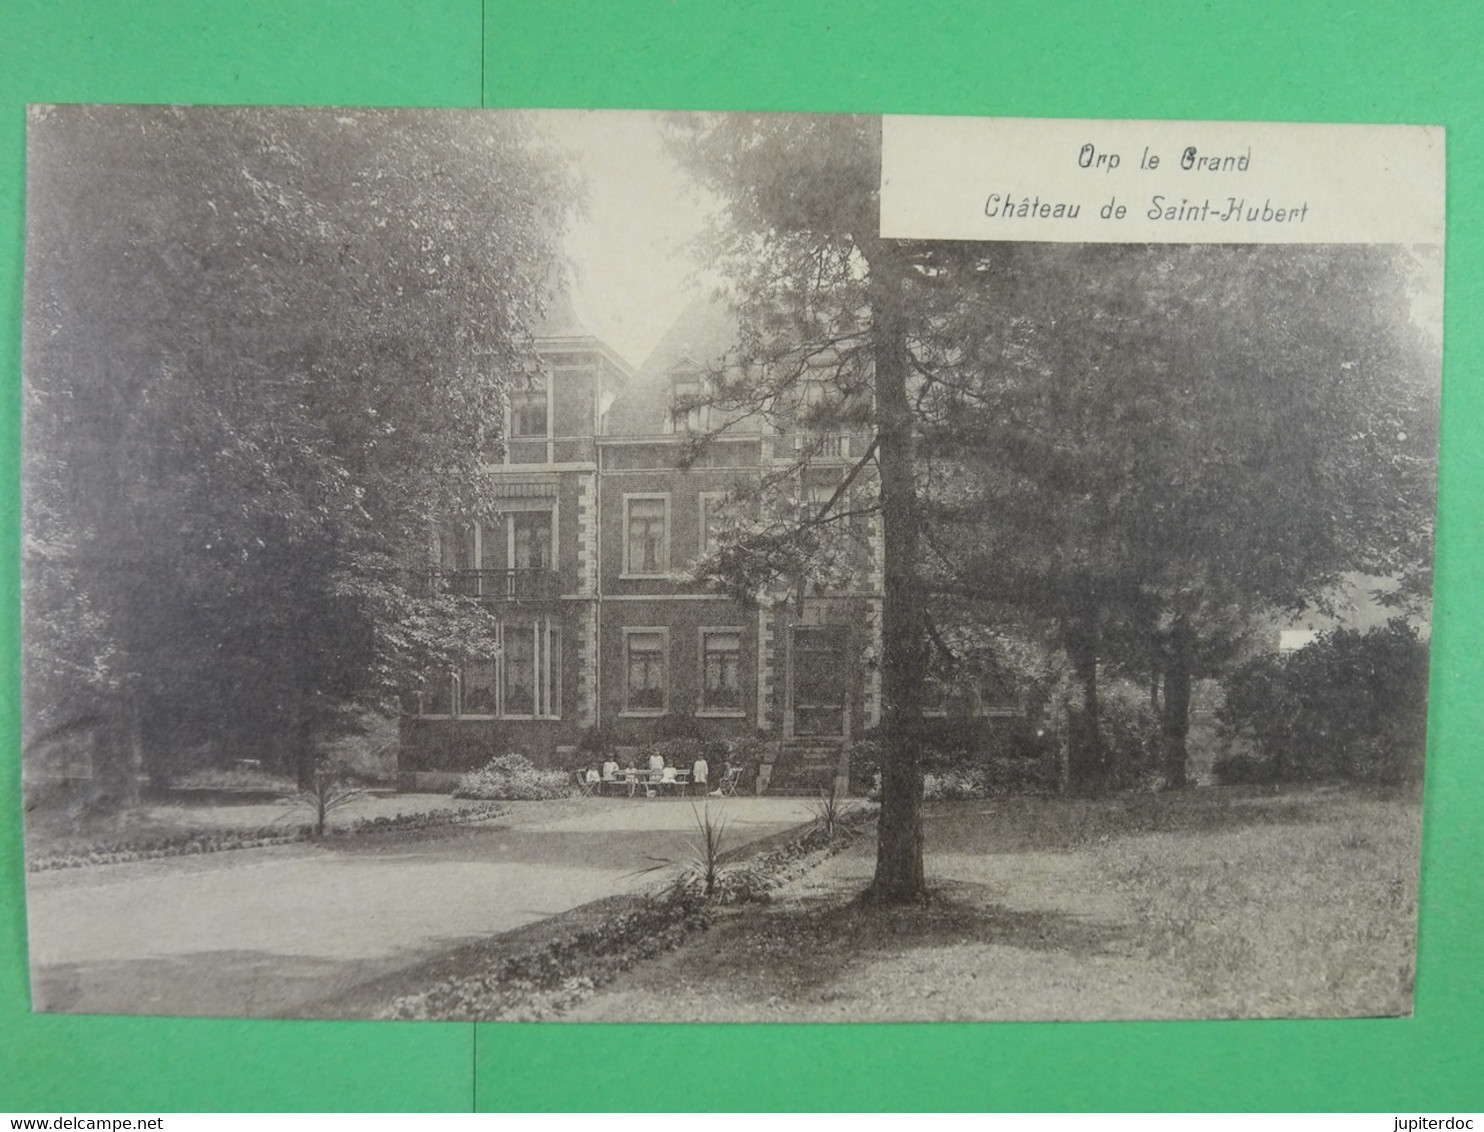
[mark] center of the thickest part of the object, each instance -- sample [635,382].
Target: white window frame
[695,420]
[550,507]
[547,687]
[548,377]
[522,391]
[669,529]
[629,632]
[546,668]
[702,711]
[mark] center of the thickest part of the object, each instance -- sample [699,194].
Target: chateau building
[589,568]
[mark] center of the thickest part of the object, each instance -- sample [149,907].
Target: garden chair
[728,784]
[588,783]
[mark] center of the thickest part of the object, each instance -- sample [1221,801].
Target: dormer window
[686,413]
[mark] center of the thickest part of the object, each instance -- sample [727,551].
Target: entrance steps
[806,766]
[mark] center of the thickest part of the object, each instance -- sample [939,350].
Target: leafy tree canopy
[263,347]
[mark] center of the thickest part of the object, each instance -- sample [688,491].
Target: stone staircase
[806,766]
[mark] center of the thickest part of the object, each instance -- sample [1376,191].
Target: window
[644,683]
[530,540]
[478,688]
[710,520]
[645,545]
[438,695]
[519,657]
[528,408]
[721,671]
[685,414]
[530,669]
[456,547]
[522,680]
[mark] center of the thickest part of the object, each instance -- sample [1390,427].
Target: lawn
[1219,902]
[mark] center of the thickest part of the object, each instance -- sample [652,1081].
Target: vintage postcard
[725,567]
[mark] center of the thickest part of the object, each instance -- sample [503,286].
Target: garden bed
[195,842]
[544,969]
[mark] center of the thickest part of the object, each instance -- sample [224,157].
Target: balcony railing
[831,446]
[500,585]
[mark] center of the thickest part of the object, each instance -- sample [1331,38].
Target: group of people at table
[659,777]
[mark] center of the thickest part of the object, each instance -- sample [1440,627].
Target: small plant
[330,789]
[705,851]
[832,808]
[953,786]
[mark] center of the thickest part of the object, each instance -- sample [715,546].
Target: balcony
[826,446]
[500,585]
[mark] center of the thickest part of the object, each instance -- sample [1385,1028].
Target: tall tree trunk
[1175,718]
[1087,771]
[899,869]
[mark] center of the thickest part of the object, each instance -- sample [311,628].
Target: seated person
[667,774]
[656,765]
[591,776]
[610,770]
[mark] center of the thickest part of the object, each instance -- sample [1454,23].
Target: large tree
[1142,446]
[1149,446]
[826,320]
[263,348]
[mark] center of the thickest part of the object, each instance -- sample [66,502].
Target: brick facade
[601,622]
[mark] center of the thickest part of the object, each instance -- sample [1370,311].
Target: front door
[819,681]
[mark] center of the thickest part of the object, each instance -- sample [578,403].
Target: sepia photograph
[571,565]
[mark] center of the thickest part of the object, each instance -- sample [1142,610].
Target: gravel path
[263,932]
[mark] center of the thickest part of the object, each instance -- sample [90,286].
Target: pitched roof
[698,339]
[560,320]
[560,327]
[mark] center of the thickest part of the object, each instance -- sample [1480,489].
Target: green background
[1268,60]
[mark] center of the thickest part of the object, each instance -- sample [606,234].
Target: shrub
[1003,756]
[680,740]
[1349,706]
[597,742]
[1130,732]
[1020,776]
[1242,770]
[679,725]
[953,786]
[865,763]
[513,778]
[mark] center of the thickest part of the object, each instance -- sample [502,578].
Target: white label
[1090,181]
